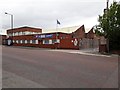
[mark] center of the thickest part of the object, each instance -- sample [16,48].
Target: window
[49,41]
[25,41]
[21,41]
[36,41]
[58,40]
[54,41]
[20,33]
[23,33]
[9,34]
[27,32]
[45,41]
[16,34]
[28,41]
[13,34]
[16,41]
[31,41]
[13,41]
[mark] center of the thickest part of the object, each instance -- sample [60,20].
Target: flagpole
[56,30]
[56,34]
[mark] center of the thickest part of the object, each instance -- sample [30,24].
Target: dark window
[46,41]
[33,41]
[54,41]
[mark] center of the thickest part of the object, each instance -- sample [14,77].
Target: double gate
[86,43]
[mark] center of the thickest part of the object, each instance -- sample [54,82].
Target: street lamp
[11,26]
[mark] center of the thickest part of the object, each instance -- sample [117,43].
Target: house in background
[3,39]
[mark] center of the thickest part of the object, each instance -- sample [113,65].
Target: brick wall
[90,34]
[79,33]
[24,29]
[66,41]
[2,39]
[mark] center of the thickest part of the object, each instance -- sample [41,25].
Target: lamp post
[11,26]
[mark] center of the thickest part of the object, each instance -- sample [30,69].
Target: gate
[86,43]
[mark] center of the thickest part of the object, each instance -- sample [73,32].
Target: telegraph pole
[107,26]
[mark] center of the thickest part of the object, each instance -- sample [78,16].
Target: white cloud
[43,13]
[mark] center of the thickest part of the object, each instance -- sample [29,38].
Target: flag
[58,22]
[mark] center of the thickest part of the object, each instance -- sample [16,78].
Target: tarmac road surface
[48,69]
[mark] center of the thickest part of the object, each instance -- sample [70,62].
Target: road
[49,69]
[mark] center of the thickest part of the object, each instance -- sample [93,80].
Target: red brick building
[33,37]
[23,31]
[79,33]
[90,34]
[46,40]
[2,39]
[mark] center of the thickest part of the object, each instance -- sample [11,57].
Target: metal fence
[86,43]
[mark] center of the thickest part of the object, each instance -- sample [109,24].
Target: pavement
[90,51]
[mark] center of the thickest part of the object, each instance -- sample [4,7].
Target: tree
[109,25]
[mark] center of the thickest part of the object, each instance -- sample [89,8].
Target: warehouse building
[33,37]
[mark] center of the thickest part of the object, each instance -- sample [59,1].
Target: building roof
[25,27]
[2,34]
[65,29]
